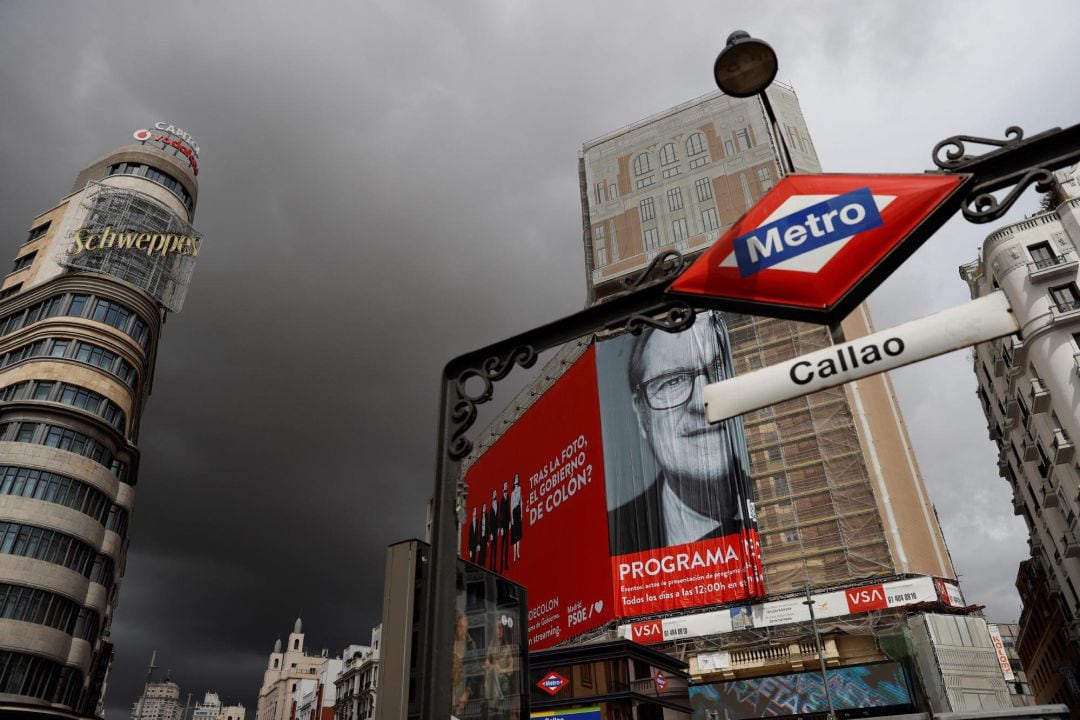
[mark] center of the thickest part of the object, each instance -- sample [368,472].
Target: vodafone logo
[646,632]
[142,135]
[865,599]
[552,683]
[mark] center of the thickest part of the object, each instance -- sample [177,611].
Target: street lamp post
[746,67]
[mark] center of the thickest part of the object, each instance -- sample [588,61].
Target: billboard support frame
[1016,163]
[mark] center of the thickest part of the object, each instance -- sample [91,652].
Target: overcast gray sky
[388,184]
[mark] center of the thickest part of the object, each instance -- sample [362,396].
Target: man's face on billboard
[693,455]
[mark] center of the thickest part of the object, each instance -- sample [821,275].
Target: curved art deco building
[80,318]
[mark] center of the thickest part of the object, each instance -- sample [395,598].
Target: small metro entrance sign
[816,245]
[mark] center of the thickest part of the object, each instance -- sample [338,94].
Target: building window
[708,219]
[644,182]
[765,178]
[8,292]
[671,172]
[599,193]
[613,242]
[1065,297]
[695,144]
[106,311]
[652,239]
[600,246]
[703,187]
[1044,462]
[729,148]
[674,199]
[65,439]
[25,261]
[1042,255]
[748,199]
[47,545]
[742,137]
[37,677]
[53,488]
[667,154]
[641,164]
[678,228]
[37,232]
[164,179]
[612,192]
[648,209]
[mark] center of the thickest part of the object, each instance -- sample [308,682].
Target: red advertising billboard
[681,517]
[613,497]
[536,506]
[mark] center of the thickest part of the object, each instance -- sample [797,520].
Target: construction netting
[138,240]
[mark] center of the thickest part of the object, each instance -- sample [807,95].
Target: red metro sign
[816,245]
[552,683]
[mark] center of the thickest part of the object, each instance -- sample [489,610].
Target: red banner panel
[621,435]
[681,517]
[717,570]
[536,506]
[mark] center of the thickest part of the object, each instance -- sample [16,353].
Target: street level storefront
[617,680]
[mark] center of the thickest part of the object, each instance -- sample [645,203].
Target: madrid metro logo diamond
[816,245]
[552,683]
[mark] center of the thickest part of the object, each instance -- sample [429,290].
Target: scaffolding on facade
[165,275]
[806,462]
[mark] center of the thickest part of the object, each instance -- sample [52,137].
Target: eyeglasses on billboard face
[673,389]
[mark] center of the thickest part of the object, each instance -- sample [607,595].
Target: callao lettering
[845,359]
[800,232]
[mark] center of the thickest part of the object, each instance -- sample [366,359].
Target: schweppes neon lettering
[150,243]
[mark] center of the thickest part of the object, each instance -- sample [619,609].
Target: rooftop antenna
[146,687]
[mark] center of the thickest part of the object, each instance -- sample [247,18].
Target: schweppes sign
[89,240]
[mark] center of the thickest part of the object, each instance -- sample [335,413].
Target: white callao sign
[984,319]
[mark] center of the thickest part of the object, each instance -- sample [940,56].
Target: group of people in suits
[495,529]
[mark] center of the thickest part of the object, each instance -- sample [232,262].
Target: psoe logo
[552,683]
[809,228]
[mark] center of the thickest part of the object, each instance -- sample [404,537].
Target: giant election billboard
[612,496]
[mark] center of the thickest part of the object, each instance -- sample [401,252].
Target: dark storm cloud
[386,185]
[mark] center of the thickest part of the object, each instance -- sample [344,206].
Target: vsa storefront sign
[89,240]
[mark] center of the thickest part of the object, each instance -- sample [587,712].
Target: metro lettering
[807,229]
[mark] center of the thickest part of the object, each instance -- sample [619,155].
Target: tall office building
[159,701]
[80,318]
[1028,386]
[837,507]
[678,181]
